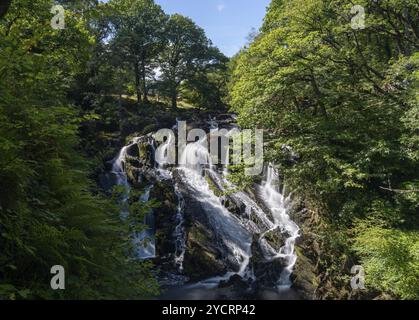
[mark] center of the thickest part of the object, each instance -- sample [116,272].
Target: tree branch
[399,190]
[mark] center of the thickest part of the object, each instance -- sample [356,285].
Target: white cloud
[220,7]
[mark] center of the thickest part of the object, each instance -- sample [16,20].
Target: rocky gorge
[207,238]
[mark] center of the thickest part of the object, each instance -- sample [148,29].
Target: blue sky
[226,22]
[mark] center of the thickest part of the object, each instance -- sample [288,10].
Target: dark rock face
[164,215]
[304,277]
[204,252]
[235,282]
[267,272]
[140,161]
[276,238]
[202,258]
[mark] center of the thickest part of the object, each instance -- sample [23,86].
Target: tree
[137,37]
[186,53]
[50,212]
[343,101]
[207,88]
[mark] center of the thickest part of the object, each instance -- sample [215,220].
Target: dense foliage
[65,95]
[162,52]
[340,109]
[50,212]
[339,105]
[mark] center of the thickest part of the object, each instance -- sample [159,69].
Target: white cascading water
[164,174]
[279,206]
[229,229]
[234,232]
[144,243]
[179,233]
[118,169]
[159,155]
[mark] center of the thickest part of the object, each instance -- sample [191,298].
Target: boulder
[235,282]
[267,272]
[164,215]
[276,238]
[304,277]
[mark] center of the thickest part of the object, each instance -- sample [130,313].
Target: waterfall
[118,169]
[164,174]
[143,242]
[179,233]
[252,209]
[159,156]
[279,205]
[197,160]
[228,228]
[266,210]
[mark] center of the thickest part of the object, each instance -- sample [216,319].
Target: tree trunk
[174,99]
[143,82]
[120,112]
[137,82]
[319,97]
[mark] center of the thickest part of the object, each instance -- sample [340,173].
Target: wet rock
[267,272]
[164,193]
[203,259]
[304,276]
[253,193]
[139,165]
[276,238]
[204,253]
[234,207]
[235,282]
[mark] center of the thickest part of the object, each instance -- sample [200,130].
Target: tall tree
[48,214]
[342,98]
[186,53]
[137,37]
[207,88]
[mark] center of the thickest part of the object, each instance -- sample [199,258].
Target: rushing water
[179,233]
[144,241]
[118,169]
[233,231]
[279,205]
[229,229]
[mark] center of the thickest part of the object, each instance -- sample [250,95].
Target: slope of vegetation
[64,95]
[340,109]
